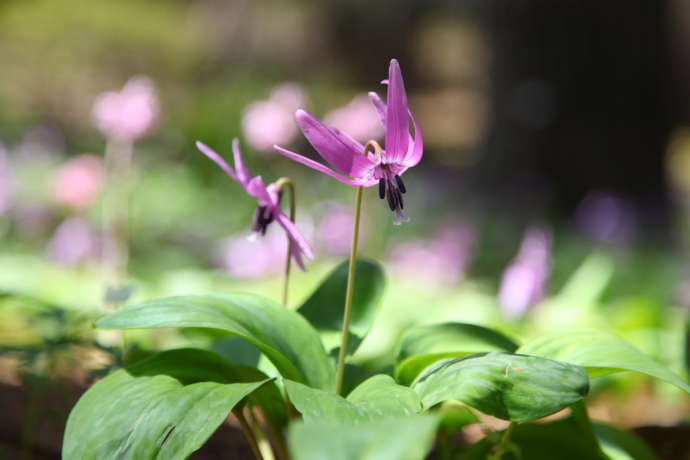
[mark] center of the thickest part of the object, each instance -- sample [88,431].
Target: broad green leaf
[402,438]
[284,336]
[422,346]
[600,353]
[160,407]
[324,308]
[508,386]
[377,397]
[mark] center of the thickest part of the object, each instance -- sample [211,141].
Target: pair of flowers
[354,164]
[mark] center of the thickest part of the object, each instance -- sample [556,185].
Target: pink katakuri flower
[383,166]
[268,198]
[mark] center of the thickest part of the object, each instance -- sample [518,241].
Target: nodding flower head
[268,198]
[368,165]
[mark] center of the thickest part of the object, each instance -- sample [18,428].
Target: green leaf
[377,397]
[621,445]
[600,353]
[563,439]
[422,346]
[404,438]
[324,308]
[156,408]
[508,386]
[380,395]
[284,336]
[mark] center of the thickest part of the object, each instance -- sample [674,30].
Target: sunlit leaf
[165,406]
[508,386]
[377,397]
[284,336]
[402,438]
[422,346]
[600,353]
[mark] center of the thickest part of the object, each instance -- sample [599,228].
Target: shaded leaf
[600,353]
[324,308]
[562,439]
[422,346]
[284,336]
[508,386]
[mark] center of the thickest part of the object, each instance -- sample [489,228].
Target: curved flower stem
[284,181]
[503,443]
[249,434]
[349,291]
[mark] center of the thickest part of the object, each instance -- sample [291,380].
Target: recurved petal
[243,175]
[294,234]
[336,147]
[217,159]
[324,169]
[397,125]
[256,187]
[380,106]
[414,155]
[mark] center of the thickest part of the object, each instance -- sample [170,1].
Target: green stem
[284,181]
[503,443]
[249,434]
[348,293]
[264,446]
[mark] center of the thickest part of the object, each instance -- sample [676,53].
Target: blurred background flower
[269,122]
[523,284]
[78,183]
[129,114]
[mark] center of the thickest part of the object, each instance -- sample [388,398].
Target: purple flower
[444,257]
[524,281]
[129,114]
[606,218]
[74,242]
[268,198]
[346,155]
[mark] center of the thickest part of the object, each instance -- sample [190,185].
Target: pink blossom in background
[5,181]
[334,230]
[127,115]
[441,260]
[606,218]
[268,122]
[252,258]
[524,281]
[358,118]
[74,242]
[78,183]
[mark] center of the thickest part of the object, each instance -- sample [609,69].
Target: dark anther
[382,188]
[401,185]
[262,217]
